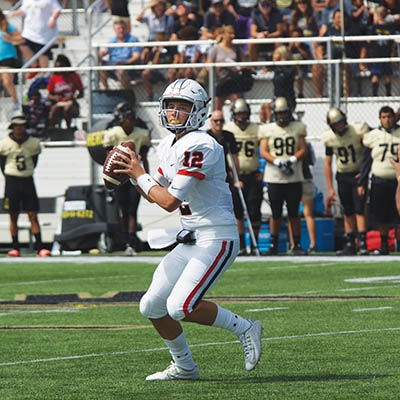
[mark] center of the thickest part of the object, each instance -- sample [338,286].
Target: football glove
[286,168]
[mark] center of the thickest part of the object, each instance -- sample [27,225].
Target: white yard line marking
[372,309]
[267,309]
[119,353]
[373,279]
[63,310]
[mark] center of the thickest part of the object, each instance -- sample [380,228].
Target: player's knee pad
[151,307]
[175,309]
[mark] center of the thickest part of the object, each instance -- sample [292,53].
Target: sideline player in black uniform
[344,141]
[19,155]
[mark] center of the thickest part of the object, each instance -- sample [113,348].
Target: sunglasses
[265,5]
[218,120]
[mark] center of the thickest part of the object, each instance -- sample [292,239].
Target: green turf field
[331,331]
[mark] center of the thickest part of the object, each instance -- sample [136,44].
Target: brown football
[110,178]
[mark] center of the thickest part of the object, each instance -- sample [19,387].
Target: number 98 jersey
[283,143]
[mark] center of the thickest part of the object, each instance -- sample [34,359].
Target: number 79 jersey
[193,170]
[283,142]
[383,147]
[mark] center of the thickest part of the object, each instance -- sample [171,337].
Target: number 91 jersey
[347,148]
[283,142]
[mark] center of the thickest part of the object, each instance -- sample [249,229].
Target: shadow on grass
[300,378]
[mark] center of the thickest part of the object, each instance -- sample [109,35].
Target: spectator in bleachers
[286,7]
[228,86]
[160,55]
[266,22]
[19,155]
[40,27]
[283,82]
[327,14]
[120,56]
[10,37]
[360,14]
[119,11]
[189,54]
[217,16]
[241,10]
[349,50]
[37,112]
[381,49]
[303,17]
[182,19]
[318,6]
[64,88]
[157,20]
[300,51]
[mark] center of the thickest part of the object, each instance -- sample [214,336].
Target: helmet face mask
[191,92]
[337,121]
[282,112]
[122,112]
[240,106]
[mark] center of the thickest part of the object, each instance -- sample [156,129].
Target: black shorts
[351,202]
[253,194]
[291,193]
[35,47]
[10,63]
[382,200]
[128,199]
[20,195]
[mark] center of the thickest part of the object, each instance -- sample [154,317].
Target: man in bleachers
[120,56]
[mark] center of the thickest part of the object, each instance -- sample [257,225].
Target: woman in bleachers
[10,37]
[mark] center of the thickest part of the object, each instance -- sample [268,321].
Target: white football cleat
[174,372]
[251,343]
[129,251]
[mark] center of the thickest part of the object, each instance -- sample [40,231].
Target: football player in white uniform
[381,144]
[192,177]
[127,196]
[344,141]
[283,146]
[19,154]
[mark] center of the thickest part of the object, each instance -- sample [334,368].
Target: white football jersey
[115,135]
[19,156]
[383,147]
[283,142]
[193,169]
[347,148]
[247,142]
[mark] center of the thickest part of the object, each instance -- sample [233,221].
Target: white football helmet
[192,92]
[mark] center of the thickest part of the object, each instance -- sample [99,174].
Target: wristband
[133,181]
[146,182]
[293,159]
